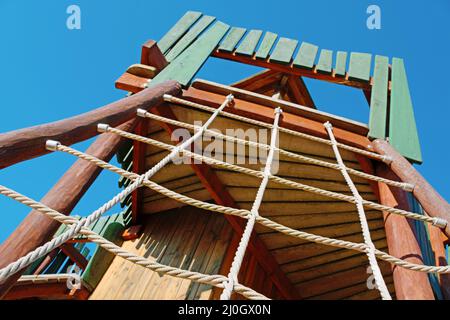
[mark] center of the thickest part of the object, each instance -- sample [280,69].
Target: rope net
[228,283]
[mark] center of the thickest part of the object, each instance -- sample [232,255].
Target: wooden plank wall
[187,238]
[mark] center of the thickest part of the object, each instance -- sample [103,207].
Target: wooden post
[24,144]
[402,242]
[433,204]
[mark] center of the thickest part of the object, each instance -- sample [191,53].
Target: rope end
[439,222]
[328,125]
[102,127]
[141,113]
[167,97]
[52,145]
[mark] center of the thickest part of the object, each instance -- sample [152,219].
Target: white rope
[225,165]
[214,280]
[361,247]
[405,186]
[379,281]
[41,251]
[373,155]
[254,213]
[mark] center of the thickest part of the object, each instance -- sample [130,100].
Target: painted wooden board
[187,64]
[248,45]
[306,56]
[341,63]
[325,61]
[379,98]
[402,125]
[231,40]
[266,45]
[359,68]
[189,37]
[283,51]
[178,30]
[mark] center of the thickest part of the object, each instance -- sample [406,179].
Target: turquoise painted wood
[178,30]
[189,37]
[187,64]
[402,125]
[359,68]
[306,56]
[248,45]
[266,45]
[325,61]
[231,40]
[283,51]
[379,99]
[341,64]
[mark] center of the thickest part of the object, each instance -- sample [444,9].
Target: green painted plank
[402,125]
[248,45]
[378,99]
[306,56]
[325,61]
[341,63]
[359,68]
[187,64]
[189,37]
[283,51]
[232,39]
[178,30]
[266,44]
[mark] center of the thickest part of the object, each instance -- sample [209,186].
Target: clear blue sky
[50,72]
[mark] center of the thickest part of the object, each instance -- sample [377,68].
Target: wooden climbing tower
[313,206]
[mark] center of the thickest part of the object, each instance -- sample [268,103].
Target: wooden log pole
[402,242]
[430,200]
[24,144]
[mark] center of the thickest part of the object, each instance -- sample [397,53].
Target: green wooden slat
[266,44]
[187,64]
[248,45]
[402,125]
[306,56]
[189,37]
[378,99]
[341,63]
[178,30]
[325,61]
[283,51]
[232,39]
[359,68]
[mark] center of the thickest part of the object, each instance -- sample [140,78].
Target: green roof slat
[325,62]
[187,64]
[189,37]
[283,51]
[402,125]
[359,68]
[341,64]
[232,38]
[248,45]
[178,30]
[266,45]
[379,98]
[306,56]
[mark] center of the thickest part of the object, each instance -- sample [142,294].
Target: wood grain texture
[340,67]
[403,134]
[359,68]
[283,51]
[28,143]
[266,45]
[306,55]
[379,99]
[231,39]
[178,30]
[325,61]
[248,45]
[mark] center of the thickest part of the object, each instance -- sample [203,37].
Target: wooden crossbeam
[74,255]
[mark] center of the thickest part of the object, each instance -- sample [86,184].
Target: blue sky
[50,72]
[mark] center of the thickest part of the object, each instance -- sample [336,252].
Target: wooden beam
[439,251]
[258,80]
[430,200]
[28,143]
[56,291]
[221,196]
[36,229]
[300,92]
[139,168]
[74,255]
[44,264]
[402,243]
[288,68]
[151,55]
